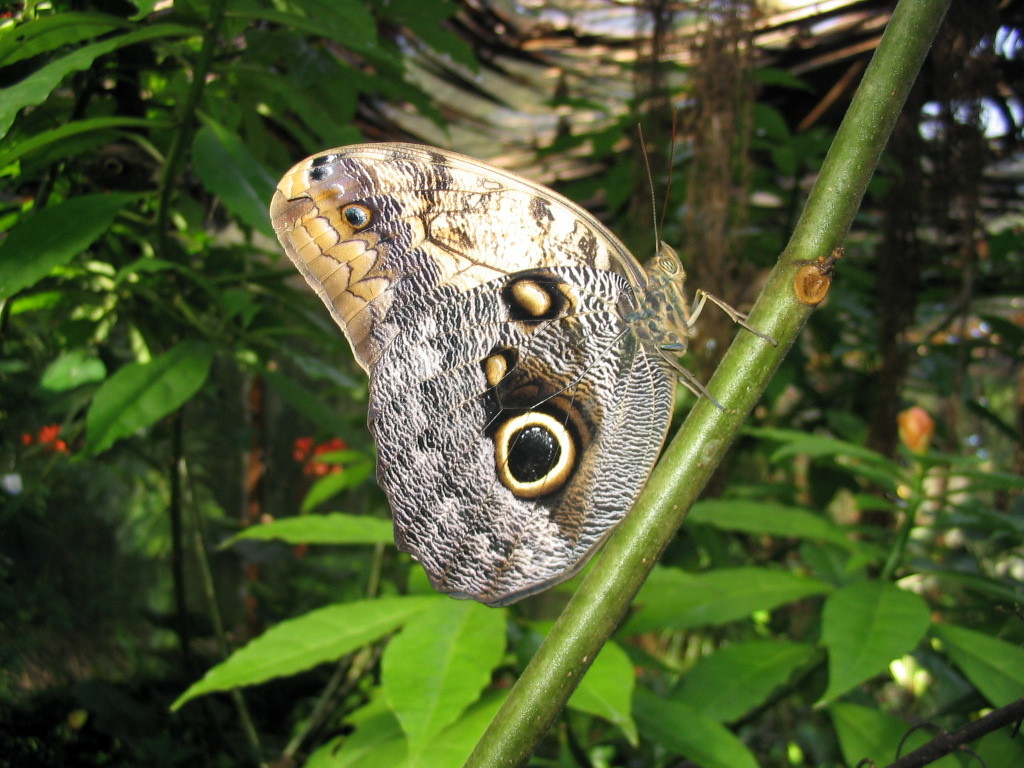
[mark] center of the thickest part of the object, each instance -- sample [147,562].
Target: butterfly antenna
[650,184]
[671,165]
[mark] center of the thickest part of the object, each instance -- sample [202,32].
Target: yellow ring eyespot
[535,454]
[357,215]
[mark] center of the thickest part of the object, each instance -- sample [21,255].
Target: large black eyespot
[357,215]
[535,454]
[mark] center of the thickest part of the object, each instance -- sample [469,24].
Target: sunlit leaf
[72,369]
[675,599]
[35,88]
[231,171]
[298,644]
[51,237]
[334,528]
[606,690]
[864,627]
[439,665]
[140,394]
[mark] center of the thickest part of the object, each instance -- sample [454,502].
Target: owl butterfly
[522,363]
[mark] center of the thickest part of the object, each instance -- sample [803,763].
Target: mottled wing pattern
[516,410]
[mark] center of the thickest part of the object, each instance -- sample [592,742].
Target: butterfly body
[519,392]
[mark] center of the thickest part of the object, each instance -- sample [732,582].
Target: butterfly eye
[357,215]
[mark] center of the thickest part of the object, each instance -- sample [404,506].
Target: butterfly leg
[701,296]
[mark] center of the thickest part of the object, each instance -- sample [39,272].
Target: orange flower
[307,453]
[916,428]
[48,437]
[303,448]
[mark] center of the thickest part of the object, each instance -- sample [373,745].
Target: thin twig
[954,741]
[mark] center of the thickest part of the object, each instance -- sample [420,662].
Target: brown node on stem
[815,278]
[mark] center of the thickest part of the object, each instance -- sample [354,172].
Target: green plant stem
[917,495]
[599,604]
[186,124]
[210,596]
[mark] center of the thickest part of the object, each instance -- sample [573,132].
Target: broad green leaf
[674,599]
[762,517]
[994,667]
[869,735]
[438,666]
[140,394]
[51,237]
[35,88]
[738,678]
[48,33]
[686,731]
[72,369]
[864,627]
[377,740]
[335,528]
[302,643]
[39,140]
[228,169]
[453,746]
[606,690]
[1000,749]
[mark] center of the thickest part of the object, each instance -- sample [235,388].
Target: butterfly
[522,363]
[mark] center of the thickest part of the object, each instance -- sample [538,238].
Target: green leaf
[72,369]
[35,88]
[606,690]
[48,33]
[865,626]
[1000,749]
[738,678]
[228,169]
[674,599]
[51,237]
[686,731]
[334,483]
[302,643]
[335,528]
[377,740]
[140,394]
[438,666]
[453,746]
[763,517]
[867,734]
[994,667]
[45,138]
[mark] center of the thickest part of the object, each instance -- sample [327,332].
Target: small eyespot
[357,215]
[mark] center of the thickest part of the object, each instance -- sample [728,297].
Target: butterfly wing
[516,411]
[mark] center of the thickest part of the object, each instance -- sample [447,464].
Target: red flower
[48,437]
[306,452]
[303,448]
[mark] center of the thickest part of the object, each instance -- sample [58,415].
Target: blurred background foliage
[166,382]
